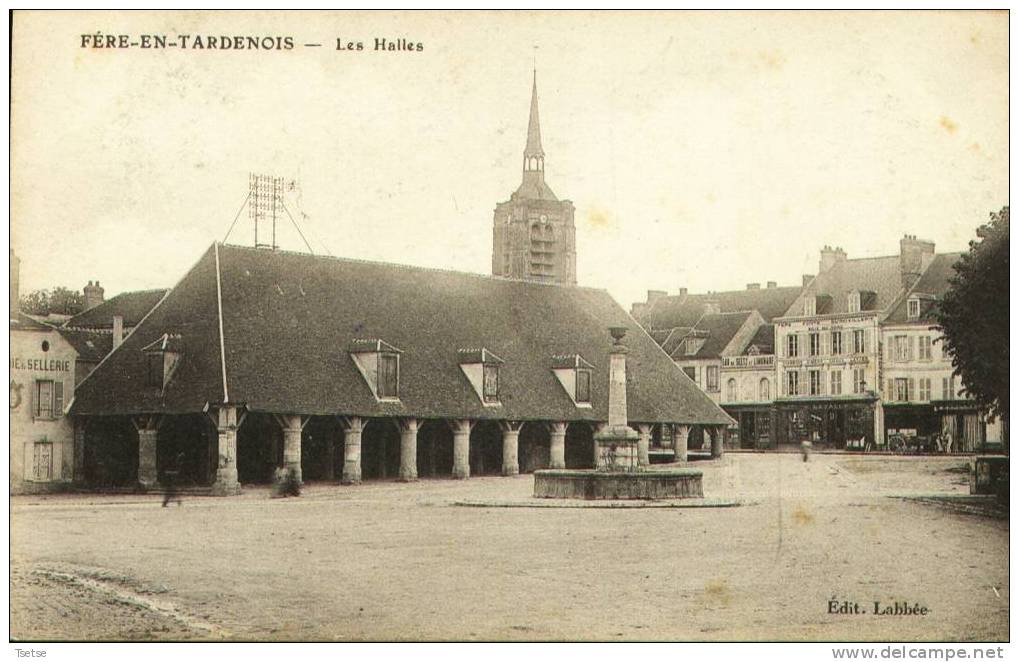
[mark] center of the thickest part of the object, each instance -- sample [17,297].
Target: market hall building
[348,370]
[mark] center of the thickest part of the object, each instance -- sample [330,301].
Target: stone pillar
[462,447]
[557,445]
[353,426]
[717,440]
[226,466]
[293,426]
[78,468]
[147,439]
[643,445]
[510,443]
[408,449]
[680,437]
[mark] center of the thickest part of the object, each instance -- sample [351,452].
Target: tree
[974,316]
[66,302]
[59,301]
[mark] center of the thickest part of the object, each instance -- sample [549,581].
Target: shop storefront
[827,424]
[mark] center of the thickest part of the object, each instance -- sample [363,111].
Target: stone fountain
[618,472]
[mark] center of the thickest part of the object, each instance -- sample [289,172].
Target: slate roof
[132,306]
[880,275]
[764,339]
[19,321]
[720,329]
[930,287]
[685,309]
[89,344]
[288,319]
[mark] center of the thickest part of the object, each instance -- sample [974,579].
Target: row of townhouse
[846,359]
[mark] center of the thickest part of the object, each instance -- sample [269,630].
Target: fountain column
[617,442]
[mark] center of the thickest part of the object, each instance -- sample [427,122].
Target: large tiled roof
[288,320]
[930,287]
[685,309]
[880,275]
[132,306]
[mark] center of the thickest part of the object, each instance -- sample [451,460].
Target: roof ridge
[411,267]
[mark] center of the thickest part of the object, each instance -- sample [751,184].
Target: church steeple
[533,147]
[533,235]
[534,155]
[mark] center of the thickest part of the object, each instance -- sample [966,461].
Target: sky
[701,150]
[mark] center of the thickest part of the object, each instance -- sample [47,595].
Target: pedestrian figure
[948,441]
[172,474]
[805,448]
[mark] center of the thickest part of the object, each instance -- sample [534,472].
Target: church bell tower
[533,232]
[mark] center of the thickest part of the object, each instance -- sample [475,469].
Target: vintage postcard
[510,326]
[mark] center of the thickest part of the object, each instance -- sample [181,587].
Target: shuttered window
[49,398]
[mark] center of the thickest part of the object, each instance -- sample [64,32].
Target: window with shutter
[58,399]
[43,394]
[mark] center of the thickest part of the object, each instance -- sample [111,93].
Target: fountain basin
[591,484]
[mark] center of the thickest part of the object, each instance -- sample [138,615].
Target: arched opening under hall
[435,449]
[259,449]
[486,449]
[322,449]
[579,445]
[380,449]
[111,452]
[188,444]
[699,439]
[533,447]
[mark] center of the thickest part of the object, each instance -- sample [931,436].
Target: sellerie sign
[41,365]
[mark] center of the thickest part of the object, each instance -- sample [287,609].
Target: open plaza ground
[402,561]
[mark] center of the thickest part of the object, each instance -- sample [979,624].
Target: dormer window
[854,302]
[155,373]
[379,364]
[913,308]
[389,376]
[574,375]
[490,390]
[583,386]
[809,307]
[161,359]
[481,367]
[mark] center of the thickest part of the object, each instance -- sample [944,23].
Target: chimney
[915,255]
[93,295]
[753,286]
[830,257]
[712,307]
[682,291]
[118,330]
[15,284]
[655,295]
[772,284]
[807,278]
[638,309]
